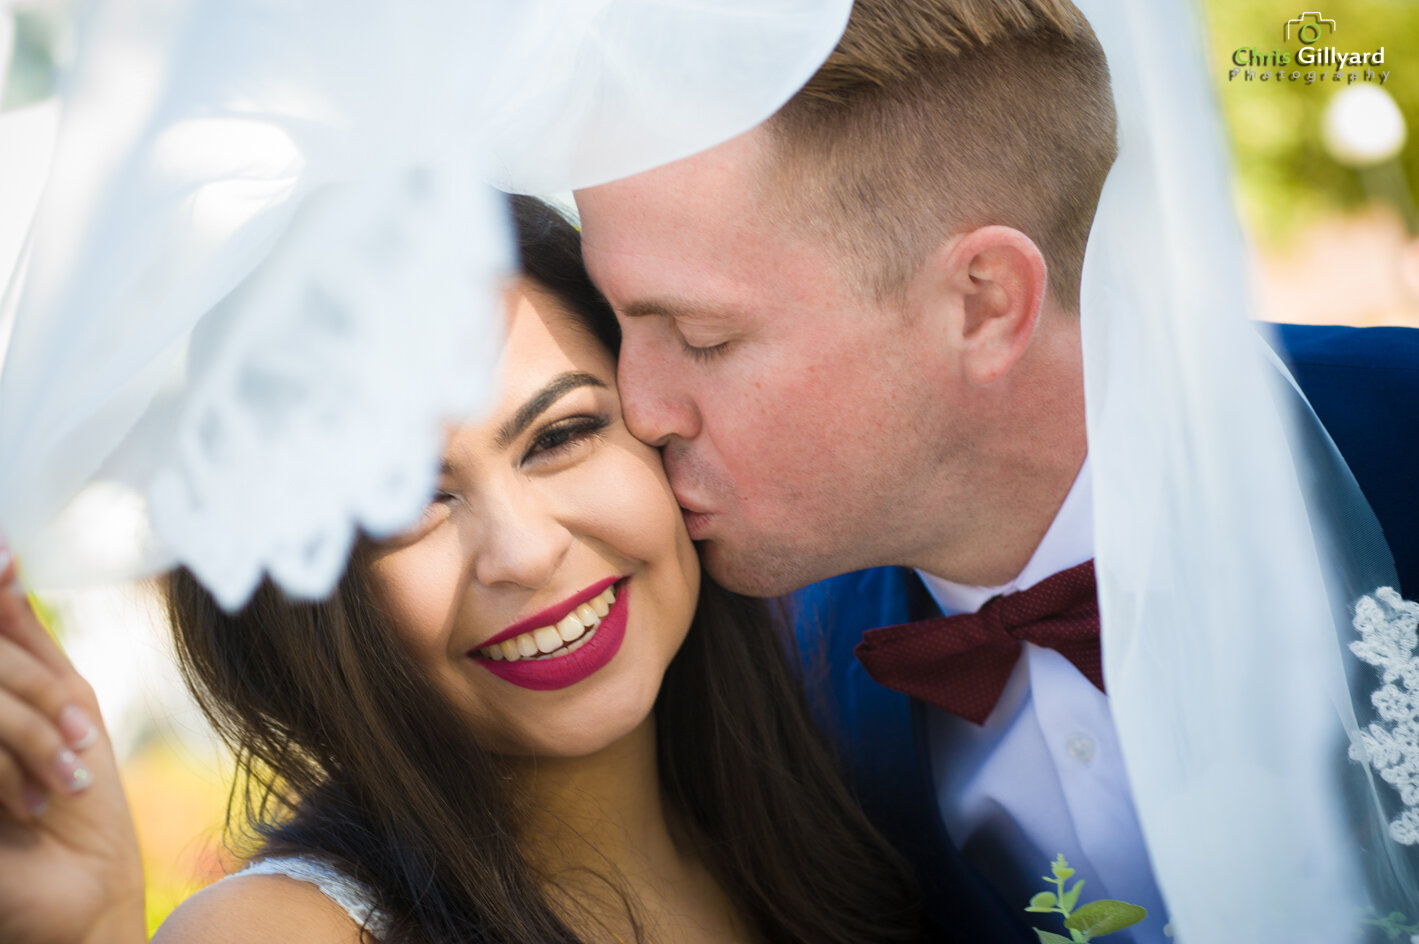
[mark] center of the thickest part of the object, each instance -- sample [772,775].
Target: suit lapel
[885,735]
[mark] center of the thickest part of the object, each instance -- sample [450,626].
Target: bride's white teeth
[548,639]
[570,632]
[570,628]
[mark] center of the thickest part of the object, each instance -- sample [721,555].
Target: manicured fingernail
[8,582]
[78,730]
[35,800]
[72,772]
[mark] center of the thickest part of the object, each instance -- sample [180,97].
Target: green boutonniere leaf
[1043,902]
[1049,937]
[1071,897]
[1092,920]
[1105,916]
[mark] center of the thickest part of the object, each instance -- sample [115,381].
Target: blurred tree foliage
[32,73]
[1285,175]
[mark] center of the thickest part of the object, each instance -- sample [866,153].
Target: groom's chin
[753,572]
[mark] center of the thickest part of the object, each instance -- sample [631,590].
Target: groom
[854,332]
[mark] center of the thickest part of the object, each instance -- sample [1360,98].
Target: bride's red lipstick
[562,671]
[551,616]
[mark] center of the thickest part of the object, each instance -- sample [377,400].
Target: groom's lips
[696,521]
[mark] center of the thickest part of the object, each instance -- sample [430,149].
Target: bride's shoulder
[295,901]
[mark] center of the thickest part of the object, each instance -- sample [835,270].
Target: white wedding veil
[1233,545]
[264,271]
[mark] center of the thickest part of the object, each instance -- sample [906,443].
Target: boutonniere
[1083,922]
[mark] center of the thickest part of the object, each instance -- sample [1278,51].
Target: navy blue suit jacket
[1363,384]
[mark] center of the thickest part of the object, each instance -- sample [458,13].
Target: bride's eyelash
[439,497]
[552,439]
[565,434]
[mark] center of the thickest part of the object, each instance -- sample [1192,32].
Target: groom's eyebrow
[671,308]
[541,401]
[648,309]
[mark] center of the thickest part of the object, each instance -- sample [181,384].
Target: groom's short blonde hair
[937,116]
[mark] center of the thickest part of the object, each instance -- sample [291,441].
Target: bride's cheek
[629,498]
[647,458]
[416,590]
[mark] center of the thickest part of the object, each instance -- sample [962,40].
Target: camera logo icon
[1308,27]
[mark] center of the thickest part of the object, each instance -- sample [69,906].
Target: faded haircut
[934,117]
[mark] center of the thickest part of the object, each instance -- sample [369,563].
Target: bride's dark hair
[349,754]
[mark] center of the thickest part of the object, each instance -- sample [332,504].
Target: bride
[528,718]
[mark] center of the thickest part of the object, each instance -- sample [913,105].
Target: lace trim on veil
[1388,626]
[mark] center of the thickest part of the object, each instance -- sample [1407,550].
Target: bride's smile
[596,614]
[550,581]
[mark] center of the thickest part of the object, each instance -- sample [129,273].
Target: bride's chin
[596,720]
[586,738]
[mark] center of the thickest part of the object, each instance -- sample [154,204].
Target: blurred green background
[1331,242]
[1286,179]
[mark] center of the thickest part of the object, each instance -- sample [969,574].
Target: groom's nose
[655,399]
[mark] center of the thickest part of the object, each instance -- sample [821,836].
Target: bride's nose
[521,541]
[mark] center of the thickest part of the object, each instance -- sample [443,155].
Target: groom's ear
[985,289]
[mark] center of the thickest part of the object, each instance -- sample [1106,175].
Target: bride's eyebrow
[540,401]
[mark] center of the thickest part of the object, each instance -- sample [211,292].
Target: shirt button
[1081,747]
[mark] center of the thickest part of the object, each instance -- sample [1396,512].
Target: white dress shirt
[1043,775]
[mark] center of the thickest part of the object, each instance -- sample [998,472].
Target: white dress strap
[355,897]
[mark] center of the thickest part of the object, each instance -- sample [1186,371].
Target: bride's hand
[69,865]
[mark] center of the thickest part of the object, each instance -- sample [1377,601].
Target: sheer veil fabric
[264,272]
[1233,545]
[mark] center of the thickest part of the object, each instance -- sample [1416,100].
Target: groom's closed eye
[702,331]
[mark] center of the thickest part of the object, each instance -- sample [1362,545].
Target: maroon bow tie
[961,663]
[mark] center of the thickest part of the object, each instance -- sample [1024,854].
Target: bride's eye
[437,507]
[563,436]
[435,511]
